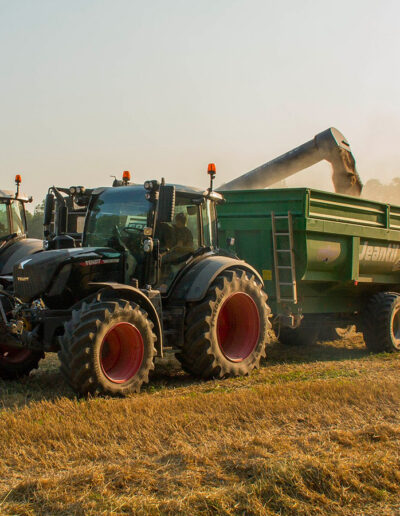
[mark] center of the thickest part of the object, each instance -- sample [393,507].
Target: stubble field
[315,431]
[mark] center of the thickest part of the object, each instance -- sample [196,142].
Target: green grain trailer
[326,260]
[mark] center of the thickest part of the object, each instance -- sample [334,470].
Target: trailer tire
[107,348]
[381,323]
[301,336]
[226,333]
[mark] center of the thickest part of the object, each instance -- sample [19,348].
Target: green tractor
[14,244]
[149,277]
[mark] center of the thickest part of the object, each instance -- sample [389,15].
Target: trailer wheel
[17,362]
[226,333]
[107,348]
[300,336]
[381,322]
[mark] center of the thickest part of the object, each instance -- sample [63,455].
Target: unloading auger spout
[329,145]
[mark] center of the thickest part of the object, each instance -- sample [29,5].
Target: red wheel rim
[121,352]
[238,327]
[12,355]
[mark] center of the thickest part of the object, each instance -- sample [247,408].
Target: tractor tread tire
[201,355]
[377,322]
[79,347]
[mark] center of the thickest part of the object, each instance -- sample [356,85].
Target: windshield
[117,219]
[4,224]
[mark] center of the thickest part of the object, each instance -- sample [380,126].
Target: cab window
[178,240]
[209,225]
[4,226]
[18,217]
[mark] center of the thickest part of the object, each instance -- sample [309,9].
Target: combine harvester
[328,260]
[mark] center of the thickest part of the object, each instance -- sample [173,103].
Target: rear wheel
[381,322]
[226,333]
[107,348]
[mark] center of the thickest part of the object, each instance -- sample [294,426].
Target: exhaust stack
[330,145]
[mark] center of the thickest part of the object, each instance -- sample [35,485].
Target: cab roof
[179,188]
[9,194]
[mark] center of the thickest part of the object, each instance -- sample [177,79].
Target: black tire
[331,333]
[226,333]
[301,336]
[15,362]
[107,348]
[381,323]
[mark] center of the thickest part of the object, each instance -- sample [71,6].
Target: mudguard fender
[193,285]
[135,295]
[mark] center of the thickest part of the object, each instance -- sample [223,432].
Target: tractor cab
[159,228]
[12,216]
[14,244]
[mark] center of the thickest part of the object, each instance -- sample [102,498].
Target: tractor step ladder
[279,251]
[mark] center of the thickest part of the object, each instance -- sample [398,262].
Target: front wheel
[107,348]
[226,333]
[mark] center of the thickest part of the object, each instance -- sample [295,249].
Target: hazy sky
[161,88]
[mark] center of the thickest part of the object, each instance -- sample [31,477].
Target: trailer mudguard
[193,285]
[135,295]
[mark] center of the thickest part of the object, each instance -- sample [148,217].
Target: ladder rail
[292,257]
[276,251]
[276,270]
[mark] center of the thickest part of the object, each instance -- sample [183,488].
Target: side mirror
[166,203]
[48,209]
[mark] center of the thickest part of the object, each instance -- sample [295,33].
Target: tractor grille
[24,288]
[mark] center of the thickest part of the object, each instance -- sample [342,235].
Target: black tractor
[147,278]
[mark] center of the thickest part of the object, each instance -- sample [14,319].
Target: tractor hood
[34,276]
[15,249]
